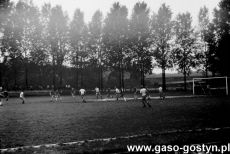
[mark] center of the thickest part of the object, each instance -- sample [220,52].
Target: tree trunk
[15,80]
[163,79]
[81,72]
[26,76]
[0,75]
[206,60]
[76,78]
[120,75]
[54,78]
[185,84]
[101,78]
[206,67]
[40,76]
[102,85]
[61,76]
[77,73]
[100,71]
[143,78]
[142,75]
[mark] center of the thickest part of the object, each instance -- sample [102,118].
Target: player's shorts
[144,98]
[23,98]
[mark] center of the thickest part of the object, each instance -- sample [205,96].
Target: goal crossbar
[210,78]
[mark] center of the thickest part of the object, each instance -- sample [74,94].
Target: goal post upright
[226,79]
[193,86]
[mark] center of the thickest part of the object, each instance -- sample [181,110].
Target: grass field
[41,122]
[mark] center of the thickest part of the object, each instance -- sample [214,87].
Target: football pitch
[40,121]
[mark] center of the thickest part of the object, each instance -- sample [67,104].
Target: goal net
[211,86]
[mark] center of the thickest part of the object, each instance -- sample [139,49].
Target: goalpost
[211,86]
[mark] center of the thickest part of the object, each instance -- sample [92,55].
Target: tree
[162,33]
[5,7]
[12,39]
[58,38]
[139,39]
[77,26]
[96,45]
[212,58]
[84,54]
[39,55]
[203,30]
[222,30]
[19,37]
[115,39]
[28,26]
[184,52]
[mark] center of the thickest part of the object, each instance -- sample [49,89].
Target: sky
[89,7]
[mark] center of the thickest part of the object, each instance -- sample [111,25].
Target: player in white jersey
[161,93]
[82,93]
[144,94]
[117,93]
[22,97]
[98,92]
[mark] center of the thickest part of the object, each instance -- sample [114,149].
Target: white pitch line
[109,139]
[155,97]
